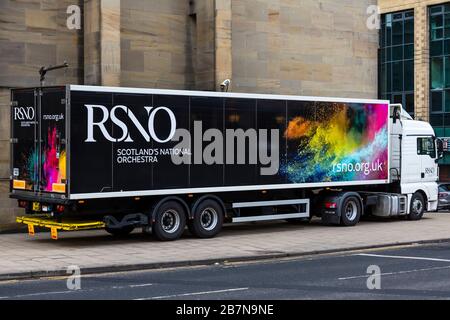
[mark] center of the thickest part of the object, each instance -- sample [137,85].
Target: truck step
[271,217]
[273,203]
[301,206]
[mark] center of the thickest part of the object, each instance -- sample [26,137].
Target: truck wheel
[121,232]
[350,211]
[170,221]
[417,208]
[208,219]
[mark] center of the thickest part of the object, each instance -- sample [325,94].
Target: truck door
[24,162]
[426,150]
[52,138]
[38,140]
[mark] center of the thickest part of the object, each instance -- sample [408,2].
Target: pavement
[409,273]
[22,256]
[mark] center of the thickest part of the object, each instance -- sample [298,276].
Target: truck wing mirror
[440,148]
[396,114]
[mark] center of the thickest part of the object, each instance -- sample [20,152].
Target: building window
[439,17]
[396,59]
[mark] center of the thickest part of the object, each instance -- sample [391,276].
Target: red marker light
[330,205]
[23,204]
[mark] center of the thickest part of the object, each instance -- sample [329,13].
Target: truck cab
[415,152]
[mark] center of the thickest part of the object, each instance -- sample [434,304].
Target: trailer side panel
[132,144]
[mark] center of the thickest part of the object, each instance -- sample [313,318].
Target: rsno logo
[147,133]
[24,113]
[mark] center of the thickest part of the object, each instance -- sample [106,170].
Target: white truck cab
[415,152]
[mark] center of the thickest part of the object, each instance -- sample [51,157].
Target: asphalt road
[413,272]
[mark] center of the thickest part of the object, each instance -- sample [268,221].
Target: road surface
[412,272]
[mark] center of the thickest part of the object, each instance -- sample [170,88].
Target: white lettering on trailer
[151,121]
[151,134]
[100,125]
[24,113]
[237,141]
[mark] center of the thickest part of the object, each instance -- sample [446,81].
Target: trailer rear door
[39,140]
[23,137]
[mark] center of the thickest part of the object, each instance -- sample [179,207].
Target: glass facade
[396,59]
[439,20]
[439,17]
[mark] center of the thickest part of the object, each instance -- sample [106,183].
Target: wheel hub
[351,210]
[208,219]
[417,206]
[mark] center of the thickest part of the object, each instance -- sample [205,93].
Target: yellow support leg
[55,226]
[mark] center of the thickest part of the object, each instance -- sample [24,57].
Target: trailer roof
[221,94]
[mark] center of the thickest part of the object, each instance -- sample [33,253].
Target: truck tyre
[350,211]
[208,219]
[417,207]
[170,221]
[121,232]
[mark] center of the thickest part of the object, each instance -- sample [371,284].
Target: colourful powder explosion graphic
[53,168]
[341,142]
[52,162]
[32,168]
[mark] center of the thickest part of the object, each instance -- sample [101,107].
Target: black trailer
[162,159]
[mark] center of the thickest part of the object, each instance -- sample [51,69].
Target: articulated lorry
[162,160]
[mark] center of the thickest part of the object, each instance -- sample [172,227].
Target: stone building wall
[32,34]
[154,51]
[308,47]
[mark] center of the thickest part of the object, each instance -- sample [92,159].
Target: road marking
[395,273]
[131,286]
[140,285]
[401,257]
[37,294]
[193,294]
[75,291]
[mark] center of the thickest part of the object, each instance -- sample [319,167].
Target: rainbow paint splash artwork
[31,170]
[338,142]
[53,167]
[52,163]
